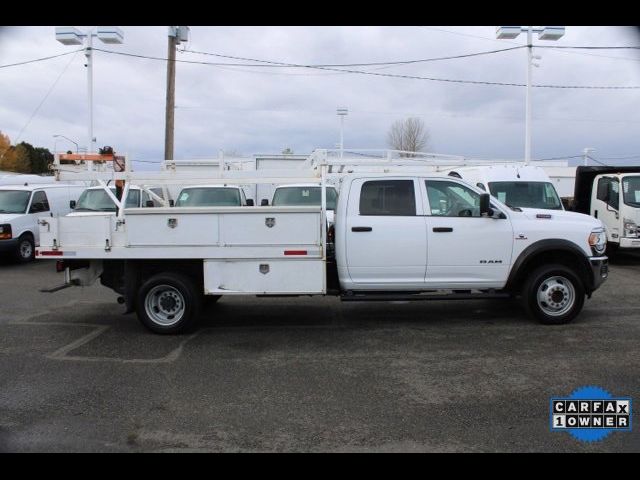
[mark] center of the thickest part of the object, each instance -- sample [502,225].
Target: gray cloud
[261,110]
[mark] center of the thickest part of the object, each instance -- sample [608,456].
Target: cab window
[450,199]
[388,198]
[609,191]
[39,203]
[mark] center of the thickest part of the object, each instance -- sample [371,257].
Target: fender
[549,245]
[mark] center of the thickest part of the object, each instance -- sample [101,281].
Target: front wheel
[169,303]
[25,250]
[553,294]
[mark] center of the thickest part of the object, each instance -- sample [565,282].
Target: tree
[24,157]
[409,135]
[7,154]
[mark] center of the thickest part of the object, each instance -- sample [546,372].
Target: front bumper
[10,245]
[629,242]
[599,271]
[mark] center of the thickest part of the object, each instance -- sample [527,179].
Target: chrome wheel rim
[164,305]
[556,296]
[26,250]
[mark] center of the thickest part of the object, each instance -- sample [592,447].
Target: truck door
[605,204]
[386,245]
[465,249]
[39,207]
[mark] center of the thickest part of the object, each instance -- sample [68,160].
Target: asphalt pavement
[305,374]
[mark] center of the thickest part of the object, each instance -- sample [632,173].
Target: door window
[39,203]
[450,199]
[388,197]
[609,191]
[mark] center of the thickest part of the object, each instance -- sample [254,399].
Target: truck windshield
[303,196]
[14,201]
[526,194]
[631,191]
[209,197]
[97,200]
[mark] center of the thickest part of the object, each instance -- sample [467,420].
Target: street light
[73,36]
[342,112]
[62,136]
[544,33]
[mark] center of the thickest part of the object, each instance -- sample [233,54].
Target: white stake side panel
[223,226]
[199,233]
[257,277]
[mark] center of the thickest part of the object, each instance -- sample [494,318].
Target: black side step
[391,297]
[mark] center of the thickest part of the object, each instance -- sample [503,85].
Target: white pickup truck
[397,237]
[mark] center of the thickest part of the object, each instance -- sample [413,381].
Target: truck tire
[169,303]
[25,251]
[553,294]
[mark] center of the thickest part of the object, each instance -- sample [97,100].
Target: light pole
[73,36]
[342,112]
[586,153]
[62,136]
[544,33]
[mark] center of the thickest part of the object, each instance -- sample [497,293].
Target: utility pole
[176,35]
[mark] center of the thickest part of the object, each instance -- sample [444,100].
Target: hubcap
[556,296]
[26,249]
[164,305]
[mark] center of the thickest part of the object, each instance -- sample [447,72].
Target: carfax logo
[590,414]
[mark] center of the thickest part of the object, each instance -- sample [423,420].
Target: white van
[519,186]
[20,207]
[95,199]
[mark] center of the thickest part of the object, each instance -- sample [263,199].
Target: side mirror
[264,202]
[485,205]
[171,202]
[250,202]
[72,204]
[149,203]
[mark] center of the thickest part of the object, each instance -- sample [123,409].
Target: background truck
[212,196]
[20,207]
[612,195]
[397,237]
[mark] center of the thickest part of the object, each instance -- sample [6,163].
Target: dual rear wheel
[171,303]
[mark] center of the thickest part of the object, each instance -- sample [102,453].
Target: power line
[597,161]
[389,75]
[369,64]
[569,52]
[41,103]
[40,59]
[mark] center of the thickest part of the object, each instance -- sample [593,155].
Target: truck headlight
[598,241]
[5,231]
[630,228]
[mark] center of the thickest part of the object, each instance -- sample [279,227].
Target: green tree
[23,158]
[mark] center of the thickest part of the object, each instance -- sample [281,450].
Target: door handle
[442,229]
[361,229]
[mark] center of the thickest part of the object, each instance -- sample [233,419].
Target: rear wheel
[169,303]
[553,294]
[25,251]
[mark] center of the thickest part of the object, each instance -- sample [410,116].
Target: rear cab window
[388,198]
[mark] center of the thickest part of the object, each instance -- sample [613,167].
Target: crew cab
[96,199]
[397,237]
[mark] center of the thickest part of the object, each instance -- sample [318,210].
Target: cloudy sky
[257,109]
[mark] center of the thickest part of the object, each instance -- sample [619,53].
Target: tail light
[60,267]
